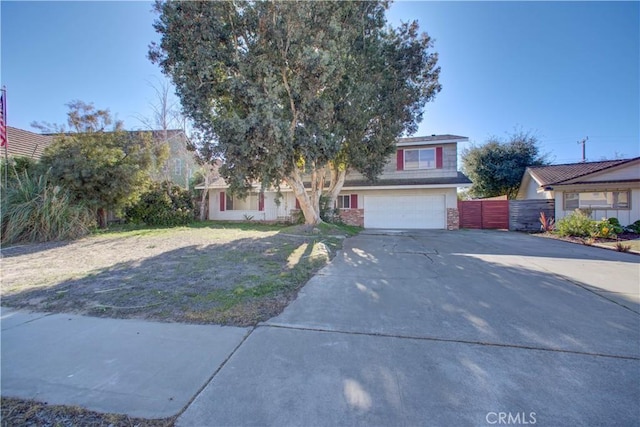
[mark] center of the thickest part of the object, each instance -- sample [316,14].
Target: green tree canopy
[104,169]
[496,168]
[295,91]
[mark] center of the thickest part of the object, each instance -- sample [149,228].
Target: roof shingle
[24,143]
[556,174]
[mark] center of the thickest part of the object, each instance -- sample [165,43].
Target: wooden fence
[514,215]
[484,214]
[524,215]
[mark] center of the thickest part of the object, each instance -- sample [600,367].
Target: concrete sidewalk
[143,369]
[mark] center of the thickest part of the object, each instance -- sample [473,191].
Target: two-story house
[417,190]
[181,164]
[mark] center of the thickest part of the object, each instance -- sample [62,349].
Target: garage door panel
[418,211]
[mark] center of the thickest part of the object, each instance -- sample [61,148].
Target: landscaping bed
[620,243]
[222,273]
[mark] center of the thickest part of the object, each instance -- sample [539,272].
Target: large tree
[99,162]
[295,92]
[496,167]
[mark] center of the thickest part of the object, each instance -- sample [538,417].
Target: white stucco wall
[530,192]
[273,212]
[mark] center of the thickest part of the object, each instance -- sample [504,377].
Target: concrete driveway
[444,328]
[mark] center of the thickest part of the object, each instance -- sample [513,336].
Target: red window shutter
[400,159]
[261,202]
[297,203]
[438,157]
[354,201]
[223,201]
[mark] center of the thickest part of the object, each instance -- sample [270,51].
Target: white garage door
[419,211]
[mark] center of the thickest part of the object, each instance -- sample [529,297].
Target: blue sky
[563,71]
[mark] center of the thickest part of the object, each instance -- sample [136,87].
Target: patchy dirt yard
[232,274]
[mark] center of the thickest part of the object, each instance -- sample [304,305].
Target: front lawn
[232,274]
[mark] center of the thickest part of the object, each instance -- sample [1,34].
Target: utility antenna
[584,149]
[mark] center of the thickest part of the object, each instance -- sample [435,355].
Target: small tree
[496,168]
[105,170]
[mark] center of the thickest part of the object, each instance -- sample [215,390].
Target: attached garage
[420,211]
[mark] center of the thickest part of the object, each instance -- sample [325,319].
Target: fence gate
[492,214]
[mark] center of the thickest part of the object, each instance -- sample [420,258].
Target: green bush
[575,224]
[329,213]
[633,228]
[164,204]
[617,227]
[604,229]
[35,210]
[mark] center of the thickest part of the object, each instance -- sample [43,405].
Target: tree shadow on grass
[241,282]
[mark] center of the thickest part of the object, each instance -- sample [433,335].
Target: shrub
[617,228]
[547,224]
[621,247]
[603,229]
[163,204]
[633,228]
[35,210]
[575,224]
[329,213]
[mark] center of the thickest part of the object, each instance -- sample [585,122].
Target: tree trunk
[311,212]
[102,218]
[337,182]
[317,185]
[203,200]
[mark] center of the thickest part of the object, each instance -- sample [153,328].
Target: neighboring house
[611,188]
[178,168]
[22,143]
[181,163]
[417,189]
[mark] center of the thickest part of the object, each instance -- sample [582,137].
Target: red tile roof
[557,174]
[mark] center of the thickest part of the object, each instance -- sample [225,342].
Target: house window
[343,202]
[597,200]
[177,167]
[423,158]
[249,203]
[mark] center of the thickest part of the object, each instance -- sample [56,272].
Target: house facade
[181,164]
[610,188]
[416,190]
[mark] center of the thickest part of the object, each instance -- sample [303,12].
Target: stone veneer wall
[453,219]
[352,216]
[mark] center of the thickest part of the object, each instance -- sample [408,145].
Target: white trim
[419,149]
[438,142]
[405,187]
[361,187]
